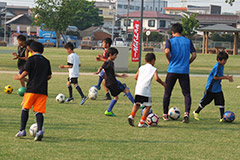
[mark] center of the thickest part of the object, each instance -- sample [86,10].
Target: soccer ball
[21,91]
[60,98]
[229,116]
[152,119]
[174,113]
[92,93]
[8,89]
[150,111]
[33,129]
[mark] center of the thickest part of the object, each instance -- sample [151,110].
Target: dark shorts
[20,71]
[209,97]
[116,89]
[73,80]
[145,101]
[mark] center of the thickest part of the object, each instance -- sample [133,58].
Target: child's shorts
[102,73]
[209,96]
[116,89]
[38,101]
[145,101]
[73,80]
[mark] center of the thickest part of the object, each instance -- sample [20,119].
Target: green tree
[230,2]
[222,37]
[154,37]
[190,24]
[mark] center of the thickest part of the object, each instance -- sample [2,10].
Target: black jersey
[110,78]
[21,53]
[39,69]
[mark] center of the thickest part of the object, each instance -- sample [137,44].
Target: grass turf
[84,132]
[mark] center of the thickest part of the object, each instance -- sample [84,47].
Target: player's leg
[142,122]
[75,82]
[128,93]
[100,79]
[22,81]
[109,112]
[70,99]
[220,101]
[171,79]
[133,113]
[107,96]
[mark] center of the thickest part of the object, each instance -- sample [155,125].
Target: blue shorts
[116,88]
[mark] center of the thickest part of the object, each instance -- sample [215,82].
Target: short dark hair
[149,57]
[29,42]
[69,45]
[177,28]
[108,41]
[111,51]
[37,47]
[222,55]
[21,37]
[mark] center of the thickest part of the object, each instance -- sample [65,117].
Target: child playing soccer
[73,68]
[106,45]
[143,89]
[115,86]
[213,89]
[39,72]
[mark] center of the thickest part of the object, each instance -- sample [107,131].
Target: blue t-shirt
[180,50]
[215,85]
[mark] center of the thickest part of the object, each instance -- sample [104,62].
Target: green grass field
[84,132]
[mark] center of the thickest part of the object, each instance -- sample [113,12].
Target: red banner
[136,41]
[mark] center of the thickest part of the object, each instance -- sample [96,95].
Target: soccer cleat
[21,133]
[83,100]
[165,117]
[39,136]
[185,119]
[196,116]
[98,87]
[141,107]
[221,120]
[144,125]
[131,120]
[69,99]
[107,98]
[109,114]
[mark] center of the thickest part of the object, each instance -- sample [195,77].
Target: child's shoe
[107,98]
[83,100]
[165,117]
[69,100]
[144,125]
[185,118]
[221,120]
[196,116]
[21,133]
[98,87]
[131,120]
[38,136]
[109,114]
[141,107]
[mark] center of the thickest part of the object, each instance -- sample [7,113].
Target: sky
[171,3]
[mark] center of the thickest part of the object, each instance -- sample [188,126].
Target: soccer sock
[111,105]
[99,81]
[143,119]
[199,108]
[40,119]
[80,91]
[221,109]
[133,114]
[70,91]
[24,119]
[130,97]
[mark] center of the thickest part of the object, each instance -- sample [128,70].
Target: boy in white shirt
[73,68]
[143,89]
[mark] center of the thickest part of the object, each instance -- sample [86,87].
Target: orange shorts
[38,101]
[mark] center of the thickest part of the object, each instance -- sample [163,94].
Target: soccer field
[84,132]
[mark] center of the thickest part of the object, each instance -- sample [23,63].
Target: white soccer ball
[33,129]
[93,93]
[60,98]
[174,113]
[152,119]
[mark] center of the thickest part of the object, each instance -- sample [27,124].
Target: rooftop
[147,14]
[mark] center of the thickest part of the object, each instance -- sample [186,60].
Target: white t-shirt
[145,75]
[74,60]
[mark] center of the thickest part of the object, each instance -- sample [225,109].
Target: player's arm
[49,77]
[193,57]
[69,65]
[167,54]
[230,78]
[121,75]
[99,70]
[159,79]
[136,76]
[79,65]
[21,76]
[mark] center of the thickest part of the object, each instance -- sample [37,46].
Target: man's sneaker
[38,136]
[221,120]
[144,125]
[21,133]
[69,99]
[141,107]
[107,98]
[185,118]
[196,116]
[109,114]
[165,117]
[131,120]
[83,100]
[98,87]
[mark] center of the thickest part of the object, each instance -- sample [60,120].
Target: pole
[5,26]
[141,35]
[126,36]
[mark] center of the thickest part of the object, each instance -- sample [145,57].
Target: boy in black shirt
[39,72]
[115,86]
